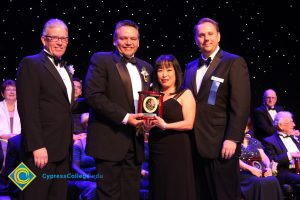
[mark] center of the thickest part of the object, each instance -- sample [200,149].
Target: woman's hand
[255,171]
[160,123]
[268,172]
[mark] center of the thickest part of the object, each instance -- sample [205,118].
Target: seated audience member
[9,117]
[84,165]
[263,116]
[257,181]
[283,147]
[14,156]
[249,129]
[10,124]
[76,117]
[144,186]
[84,117]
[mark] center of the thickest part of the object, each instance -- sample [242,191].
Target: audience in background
[9,118]
[76,117]
[263,116]
[10,124]
[14,156]
[84,165]
[256,179]
[284,148]
[144,186]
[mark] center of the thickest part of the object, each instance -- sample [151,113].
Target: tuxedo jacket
[44,107]
[226,116]
[276,150]
[263,122]
[109,95]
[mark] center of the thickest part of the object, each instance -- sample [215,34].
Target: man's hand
[135,119]
[40,157]
[228,149]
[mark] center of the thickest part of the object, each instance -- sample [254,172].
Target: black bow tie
[271,108]
[131,60]
[202,62]
[284,136]
[57,60]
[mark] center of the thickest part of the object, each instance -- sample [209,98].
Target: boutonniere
[273,166]
[145,74]
[70,69]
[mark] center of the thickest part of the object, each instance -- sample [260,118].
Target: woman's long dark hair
[167,59]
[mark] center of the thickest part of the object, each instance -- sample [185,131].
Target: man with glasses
[45,98]
[263,116]
[284,148]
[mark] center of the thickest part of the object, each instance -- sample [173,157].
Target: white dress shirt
[65,77]
[290,146]
[202,70]
[136,84]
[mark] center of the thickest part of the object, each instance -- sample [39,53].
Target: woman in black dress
[170,151]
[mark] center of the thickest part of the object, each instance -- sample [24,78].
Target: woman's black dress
[170,158]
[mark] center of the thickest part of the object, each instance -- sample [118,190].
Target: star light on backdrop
[264,35]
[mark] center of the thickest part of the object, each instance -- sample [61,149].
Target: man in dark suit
[112,84]
[45,99]
[222,92]
[284,147]
[263,116]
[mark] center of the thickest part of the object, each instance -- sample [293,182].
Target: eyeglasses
[289,123]
[270,97]
[56,38]
[10,90]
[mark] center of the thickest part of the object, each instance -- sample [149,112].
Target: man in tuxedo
[112,84]
[45,100]
[220,82]
[263,116]
[284,147]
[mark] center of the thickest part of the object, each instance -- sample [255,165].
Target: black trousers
[218,179]
[120,180]
[51,189]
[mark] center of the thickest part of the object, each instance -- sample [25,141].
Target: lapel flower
[70,69]
[145,74]
[273,166]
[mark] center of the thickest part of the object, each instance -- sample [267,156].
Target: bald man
[263,116]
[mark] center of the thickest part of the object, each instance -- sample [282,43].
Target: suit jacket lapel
[49,65]
[280,143]
[140,68]
[296,141]
[125,77]
[72,84]
[268,114]
[205,85]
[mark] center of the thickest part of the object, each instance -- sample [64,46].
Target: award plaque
[150,104]
[257,163]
